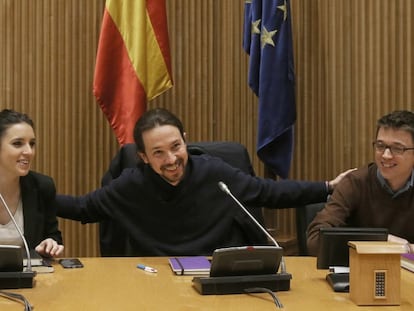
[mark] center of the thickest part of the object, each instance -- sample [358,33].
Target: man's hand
[332,183]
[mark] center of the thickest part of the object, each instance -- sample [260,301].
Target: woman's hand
[49,248]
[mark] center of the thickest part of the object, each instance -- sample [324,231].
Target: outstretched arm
[68,207]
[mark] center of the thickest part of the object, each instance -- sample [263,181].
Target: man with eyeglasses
[381,194]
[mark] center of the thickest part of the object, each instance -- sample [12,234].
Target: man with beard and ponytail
[171,204]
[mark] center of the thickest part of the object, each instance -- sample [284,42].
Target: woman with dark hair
[29,196]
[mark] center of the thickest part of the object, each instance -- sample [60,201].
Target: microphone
[223,187]
[18,279]
[220,283]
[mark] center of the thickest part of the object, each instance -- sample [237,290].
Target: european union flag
[268,41]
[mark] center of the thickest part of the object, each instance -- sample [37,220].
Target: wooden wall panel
[47,58]
[353,60]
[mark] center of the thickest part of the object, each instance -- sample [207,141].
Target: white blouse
[8,232]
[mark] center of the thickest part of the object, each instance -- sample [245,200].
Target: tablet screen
[245,260]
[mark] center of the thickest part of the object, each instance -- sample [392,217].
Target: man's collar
[394,194]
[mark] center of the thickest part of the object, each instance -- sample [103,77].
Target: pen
[146,268]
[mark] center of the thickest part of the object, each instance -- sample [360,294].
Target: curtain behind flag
[132,63]
[268,41]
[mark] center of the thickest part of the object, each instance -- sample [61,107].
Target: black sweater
[193,218]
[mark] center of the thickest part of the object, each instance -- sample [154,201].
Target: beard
[173,173]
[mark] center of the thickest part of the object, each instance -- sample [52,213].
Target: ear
[143,157]
[185,137]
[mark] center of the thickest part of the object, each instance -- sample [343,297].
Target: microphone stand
[220,285]
[17,279]
[225,189]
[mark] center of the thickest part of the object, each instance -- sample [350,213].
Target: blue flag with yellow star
[268,41]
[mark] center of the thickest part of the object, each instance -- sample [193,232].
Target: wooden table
[116,284]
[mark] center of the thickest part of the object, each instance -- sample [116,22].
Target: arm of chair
[304,216]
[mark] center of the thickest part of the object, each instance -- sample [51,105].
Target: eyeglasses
[395,149]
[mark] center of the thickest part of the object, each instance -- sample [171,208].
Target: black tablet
[245,260]
[333,243]
[11,258]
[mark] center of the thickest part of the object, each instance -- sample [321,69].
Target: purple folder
[193,265]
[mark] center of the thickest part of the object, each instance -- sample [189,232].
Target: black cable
[18,298]
[265,290]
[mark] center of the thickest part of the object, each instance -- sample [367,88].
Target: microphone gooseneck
[26,247]
[223,187]
[226,189]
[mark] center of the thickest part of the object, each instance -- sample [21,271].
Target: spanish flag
[133,61]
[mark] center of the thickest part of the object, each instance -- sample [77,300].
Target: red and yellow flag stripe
[133,61]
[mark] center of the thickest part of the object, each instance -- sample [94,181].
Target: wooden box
[375,273]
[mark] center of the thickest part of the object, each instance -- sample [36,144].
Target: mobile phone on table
[71,263]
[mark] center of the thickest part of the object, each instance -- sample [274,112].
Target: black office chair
[304,216]
[114,241]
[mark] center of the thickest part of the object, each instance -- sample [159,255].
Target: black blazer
[39,209]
